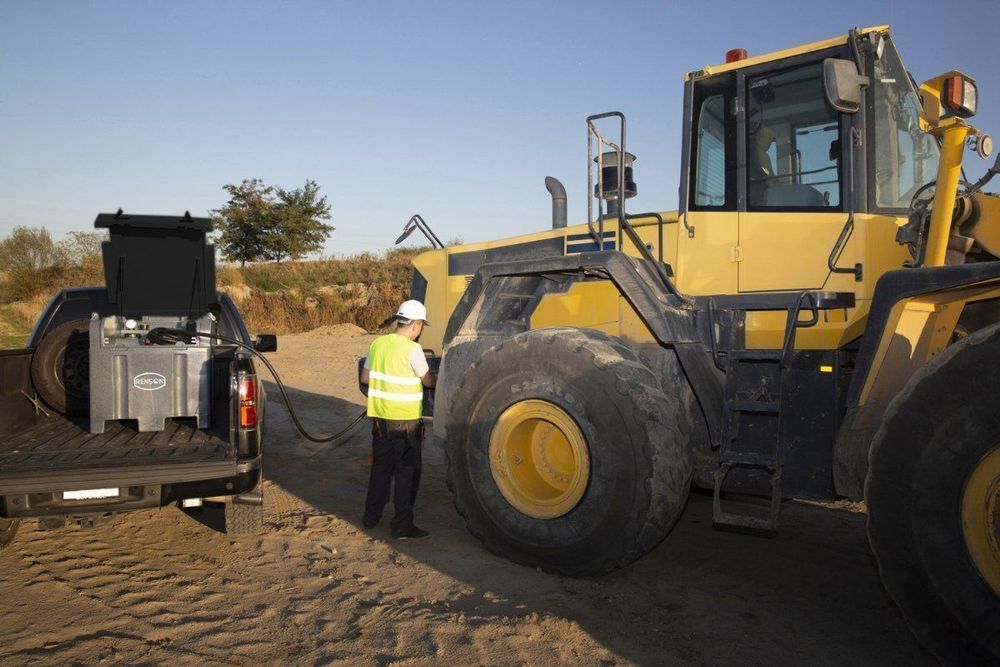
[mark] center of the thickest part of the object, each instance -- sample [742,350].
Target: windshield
[905,157]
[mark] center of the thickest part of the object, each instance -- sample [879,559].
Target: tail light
[248,401]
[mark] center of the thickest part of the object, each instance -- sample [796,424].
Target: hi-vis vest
[394,390]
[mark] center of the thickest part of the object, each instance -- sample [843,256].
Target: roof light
[735,55]
[960,95]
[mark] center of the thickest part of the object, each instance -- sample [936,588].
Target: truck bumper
[135,487]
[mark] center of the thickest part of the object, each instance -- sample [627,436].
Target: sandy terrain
[164,586]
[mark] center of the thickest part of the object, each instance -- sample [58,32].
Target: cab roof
[780,55]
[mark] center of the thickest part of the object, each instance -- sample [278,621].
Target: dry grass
[286,297]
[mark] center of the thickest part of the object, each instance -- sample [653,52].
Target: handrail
[838,247]
[592,132]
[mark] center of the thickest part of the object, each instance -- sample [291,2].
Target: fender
[501,297]
[913,317]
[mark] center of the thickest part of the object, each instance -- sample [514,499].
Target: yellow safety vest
[394,390]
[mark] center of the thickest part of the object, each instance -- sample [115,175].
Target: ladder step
[751,459]
[755,355]
[755,406]
[766,524]
[754,521]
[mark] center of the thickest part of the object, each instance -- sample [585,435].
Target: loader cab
[773,174]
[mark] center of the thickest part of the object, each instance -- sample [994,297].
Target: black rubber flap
[158,264]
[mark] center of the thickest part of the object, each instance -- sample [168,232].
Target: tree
[29,261]
[28,249]
[299,213]
[261,222]
[245,221]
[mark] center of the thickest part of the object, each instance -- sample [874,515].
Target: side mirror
[266,343]
[843,84]
[363,388]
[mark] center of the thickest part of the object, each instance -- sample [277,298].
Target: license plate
[90,494]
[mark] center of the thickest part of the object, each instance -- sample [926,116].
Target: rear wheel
[60,368]
[565,454]
[933,492]
[8,529]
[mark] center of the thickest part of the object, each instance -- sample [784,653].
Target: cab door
[793,185]
[708,235]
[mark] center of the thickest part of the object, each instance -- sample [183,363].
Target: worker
[396,371]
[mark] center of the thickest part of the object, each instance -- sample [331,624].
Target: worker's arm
[418,362]
[364,372]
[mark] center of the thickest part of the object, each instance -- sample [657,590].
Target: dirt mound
[345,330]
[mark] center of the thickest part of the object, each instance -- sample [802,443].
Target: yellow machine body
[733,253]
[819,318]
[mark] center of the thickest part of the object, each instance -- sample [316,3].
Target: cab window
[903,157]
[710,168]
[793,142]
[713,163]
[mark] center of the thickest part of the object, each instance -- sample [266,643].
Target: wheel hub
[981,518]
[539,459]
[74,364]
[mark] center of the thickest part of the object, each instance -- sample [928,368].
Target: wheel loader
[819,319]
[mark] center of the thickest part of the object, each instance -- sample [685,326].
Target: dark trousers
[396,457]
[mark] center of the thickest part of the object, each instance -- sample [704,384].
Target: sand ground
[165,586]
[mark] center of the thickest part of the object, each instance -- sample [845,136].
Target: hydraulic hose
[165,336]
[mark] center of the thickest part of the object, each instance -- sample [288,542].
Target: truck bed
[56,444]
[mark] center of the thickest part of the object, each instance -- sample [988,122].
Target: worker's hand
[429,379]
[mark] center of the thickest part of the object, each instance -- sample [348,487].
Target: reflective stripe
[394,390]
[393,396]
[375,375]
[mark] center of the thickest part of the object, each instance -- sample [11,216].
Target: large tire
[60,368]
[639,468]
[928,527]
[8,529]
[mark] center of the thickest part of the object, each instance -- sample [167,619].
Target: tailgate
[61,454]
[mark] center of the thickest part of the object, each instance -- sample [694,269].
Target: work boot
[412,533]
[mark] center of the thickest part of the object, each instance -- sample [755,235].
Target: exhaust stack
[558,192]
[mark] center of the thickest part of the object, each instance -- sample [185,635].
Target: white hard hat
[412,310]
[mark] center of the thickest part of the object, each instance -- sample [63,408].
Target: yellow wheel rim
[981,518]
[539,459]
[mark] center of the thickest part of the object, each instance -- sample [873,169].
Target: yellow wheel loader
[820,319]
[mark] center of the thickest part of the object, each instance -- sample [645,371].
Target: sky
[454,110]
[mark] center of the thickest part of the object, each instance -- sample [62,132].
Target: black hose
[163,335]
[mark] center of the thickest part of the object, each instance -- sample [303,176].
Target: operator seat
[761,170]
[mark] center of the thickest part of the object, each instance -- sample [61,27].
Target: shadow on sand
[702,596]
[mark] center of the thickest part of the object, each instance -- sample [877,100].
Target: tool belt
[398,428]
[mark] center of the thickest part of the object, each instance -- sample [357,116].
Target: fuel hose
[166,336]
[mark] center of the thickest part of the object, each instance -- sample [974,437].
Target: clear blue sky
[455,110]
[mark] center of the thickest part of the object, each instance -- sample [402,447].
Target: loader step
[771,407]
[753,521]
[755,355]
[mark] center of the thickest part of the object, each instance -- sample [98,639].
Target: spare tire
[60,368]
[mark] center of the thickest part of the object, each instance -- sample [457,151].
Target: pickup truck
[55,468]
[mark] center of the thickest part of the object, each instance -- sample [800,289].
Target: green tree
[261,222]
[299,213]
[245,221]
